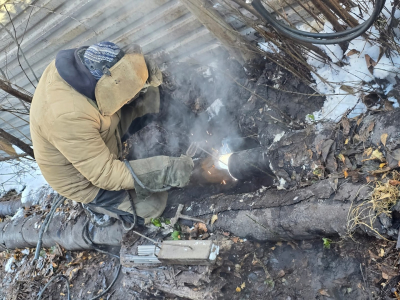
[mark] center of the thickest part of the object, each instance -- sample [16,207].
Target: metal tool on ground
[178,216]
[193,252]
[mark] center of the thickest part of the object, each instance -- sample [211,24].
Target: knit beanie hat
[100,57]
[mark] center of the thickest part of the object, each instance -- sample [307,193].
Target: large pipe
[9,208]
[249,164]
[24,232]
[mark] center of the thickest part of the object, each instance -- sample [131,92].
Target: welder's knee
[150,207]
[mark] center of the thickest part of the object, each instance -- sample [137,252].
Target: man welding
[84,103]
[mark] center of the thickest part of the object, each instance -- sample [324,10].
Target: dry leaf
[382,253]
[342,158]
[213,219]
[381,171]
[346,126]
[346,141]
[370,63]
[324,292]
[235,239]
[243,285]
[238,289]
[385,276]
[201,227]
[279,244]
[226,233]
[367,152]
[7,147]
[394,182]
[384,138]
[352,52]
[377,154]
[382,165]
[347,89]
[346,174]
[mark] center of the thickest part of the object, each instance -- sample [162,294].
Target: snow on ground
[22,175]
[345,85]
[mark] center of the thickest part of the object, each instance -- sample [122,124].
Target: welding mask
[130,75]
[125,80]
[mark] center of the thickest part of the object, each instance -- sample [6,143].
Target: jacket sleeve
[77,136]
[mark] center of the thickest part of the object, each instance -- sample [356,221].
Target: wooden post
[237,45]
[17,142]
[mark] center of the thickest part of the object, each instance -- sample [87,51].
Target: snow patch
[344,86]
[18,214]
[278,137]
[25,251]
[214,252]
[9,267]
[282,183]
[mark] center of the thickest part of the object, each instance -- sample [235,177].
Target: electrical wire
[50,281]
[319,38]
[139,182]
[45,225]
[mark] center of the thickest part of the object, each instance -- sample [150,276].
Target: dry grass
[383,197]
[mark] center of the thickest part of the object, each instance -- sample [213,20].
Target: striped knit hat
[100,57]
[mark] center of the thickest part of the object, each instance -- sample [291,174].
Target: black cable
[139,182]
[45,225]
[319,38]
[50,281]
[88,240]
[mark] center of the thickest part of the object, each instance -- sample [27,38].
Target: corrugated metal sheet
[47,26]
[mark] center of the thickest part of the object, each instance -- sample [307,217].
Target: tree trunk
[17,142]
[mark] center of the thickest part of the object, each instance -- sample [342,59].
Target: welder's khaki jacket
[76,147]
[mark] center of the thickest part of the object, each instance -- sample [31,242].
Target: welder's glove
[159,172]
[155,76]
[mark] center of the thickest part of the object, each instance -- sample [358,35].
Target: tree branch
[14,92]
[17,142]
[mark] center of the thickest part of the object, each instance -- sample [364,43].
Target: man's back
[66,126]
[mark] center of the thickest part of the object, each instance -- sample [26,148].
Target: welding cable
[88,240]
[50,281]
[57,202]
[133,224]
[319,38]
[139,182]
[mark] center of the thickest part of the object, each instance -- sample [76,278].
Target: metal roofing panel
[47,26]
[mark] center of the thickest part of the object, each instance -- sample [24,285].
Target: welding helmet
[122,82]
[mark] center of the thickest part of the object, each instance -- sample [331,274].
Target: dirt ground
[251,270]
